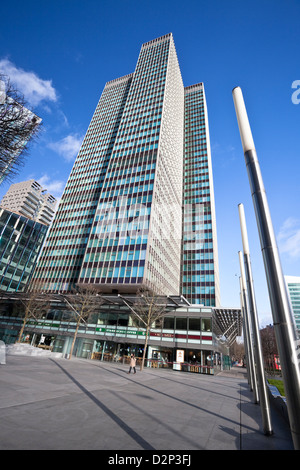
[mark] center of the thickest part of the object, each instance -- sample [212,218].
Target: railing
[156,364]
[181,366]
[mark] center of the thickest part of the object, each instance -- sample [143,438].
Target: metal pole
[248,329]
[284,332]
[245,338]
[262,388]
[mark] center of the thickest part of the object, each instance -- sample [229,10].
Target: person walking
[132,363]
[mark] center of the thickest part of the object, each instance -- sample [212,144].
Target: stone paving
[49,403]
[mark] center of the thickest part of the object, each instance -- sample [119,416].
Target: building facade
[200,268]
[21,240]
[293,286]
[190,338]
[141,183]
[30,199]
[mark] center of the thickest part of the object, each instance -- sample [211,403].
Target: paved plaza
[53,404]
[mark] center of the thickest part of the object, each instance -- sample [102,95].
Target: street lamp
[284,331]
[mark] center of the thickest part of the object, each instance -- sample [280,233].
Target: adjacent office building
[200,270]
[21,240]
[31,200]
[26,211]
[138,207]
[293,286]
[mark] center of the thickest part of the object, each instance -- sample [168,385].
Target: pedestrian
[132,363]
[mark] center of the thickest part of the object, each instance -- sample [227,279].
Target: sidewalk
[51,403]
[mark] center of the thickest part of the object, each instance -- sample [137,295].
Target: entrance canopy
[228,323]
[169,301]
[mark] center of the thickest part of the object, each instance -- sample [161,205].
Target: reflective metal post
[248,329]
[284,332]
[262,387]
[248,363]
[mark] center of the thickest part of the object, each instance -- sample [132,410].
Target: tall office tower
[30,199]
[293,286]
[200,270]
[119,220]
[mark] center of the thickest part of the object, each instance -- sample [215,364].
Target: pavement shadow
[154,418]
[131,432]
[178,400]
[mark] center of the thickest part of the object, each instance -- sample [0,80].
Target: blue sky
[61,54]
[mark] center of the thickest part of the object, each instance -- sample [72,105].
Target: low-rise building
[190,338]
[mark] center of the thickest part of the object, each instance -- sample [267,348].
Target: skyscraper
[200,270]
[119,222]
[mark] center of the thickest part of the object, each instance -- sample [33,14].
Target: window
[194,324]
[181,323]
[205,324]
[169,323]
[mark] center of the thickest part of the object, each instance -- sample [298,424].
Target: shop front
[186,340]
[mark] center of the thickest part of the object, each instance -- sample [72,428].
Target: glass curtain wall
[200,274]
[62,257]
[21,240]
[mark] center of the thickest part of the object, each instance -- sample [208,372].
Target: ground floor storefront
[185,359]
[188,338]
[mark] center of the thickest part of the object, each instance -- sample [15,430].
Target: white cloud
[68,147]
[34,88]
[226,154]
[289,238]
[54,187]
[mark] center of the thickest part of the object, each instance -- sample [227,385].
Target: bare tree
[18,126]
[149,308]
[237,351]
[269,346]
[35,304]
[83,301]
